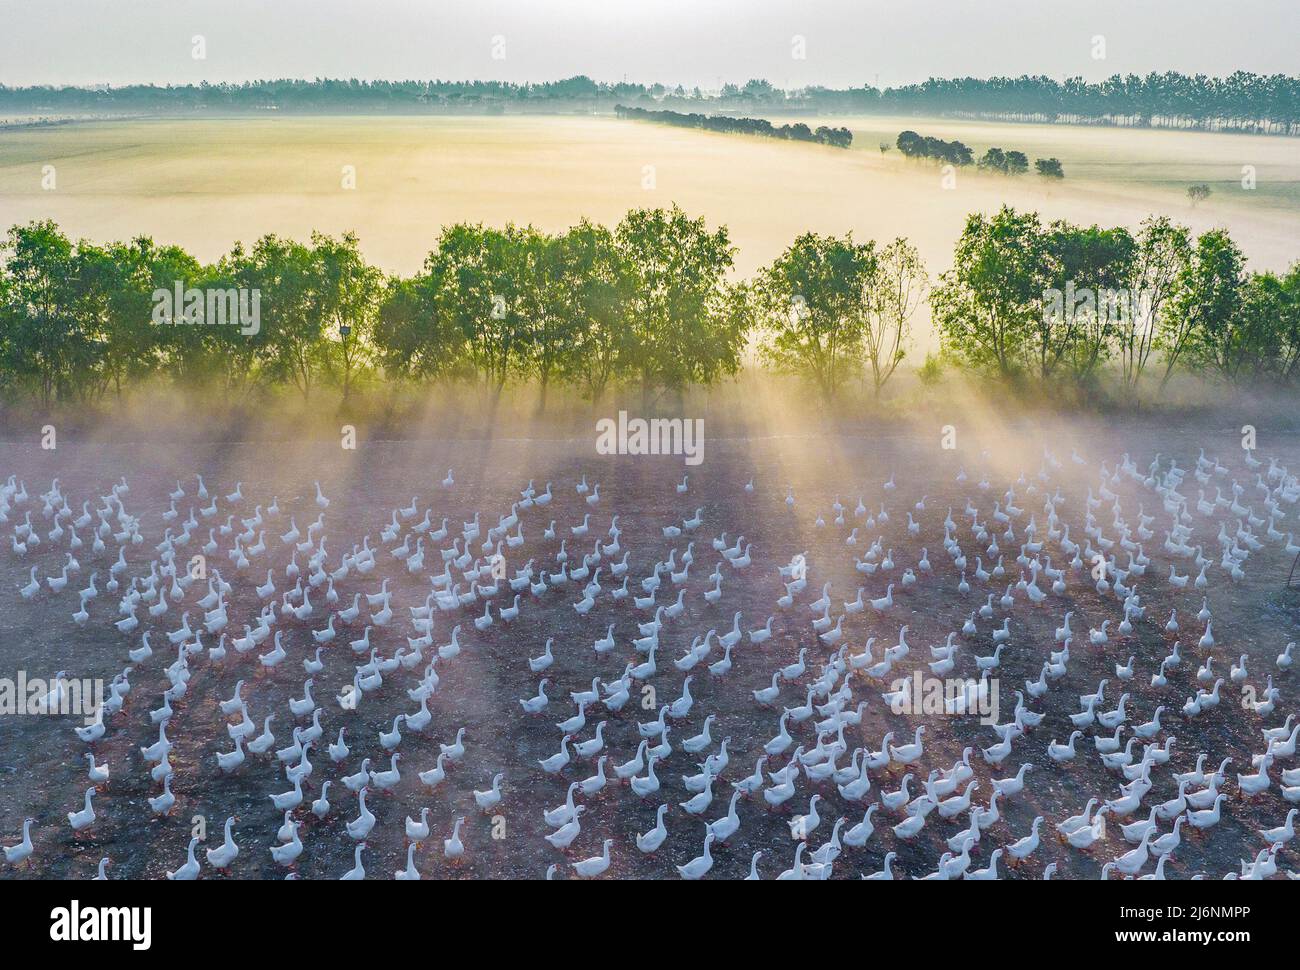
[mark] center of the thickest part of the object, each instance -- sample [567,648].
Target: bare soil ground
[43,769]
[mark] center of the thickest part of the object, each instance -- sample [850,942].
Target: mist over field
[208,184]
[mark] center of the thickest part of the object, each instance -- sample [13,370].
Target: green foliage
[347,297]
[1099,260]
[44,343]
[988,307]
[294,349]
[923,146]
[684,326]
[647,304]
[1022,300]
[895,292]
[1049,168]
[482,289]
[1009,162]
[836,137]
[1210,303]
[588,307]
[994,160]
[413,340]
[930,372]
[812,307]
[551,331]
[1284,292]
[826,307]
[595,294]
[1161,251]
[115,303]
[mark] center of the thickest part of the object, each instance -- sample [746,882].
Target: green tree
[1161,252]
[994,160]
[7,373]
[1049,168]
[1256,345]
[1287,315]
[481,277]
[894,292]
[988,307]
[115,304]
[414,339]
[551,331]
[685,325]
[812,303]
[1096,263]
[347,294]
[43,340]
[285,273]
[930,373]
[1202,325]
[196,356]
[1008,162]
[595,294]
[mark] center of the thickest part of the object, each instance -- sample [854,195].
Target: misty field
[208,183]
[481,687]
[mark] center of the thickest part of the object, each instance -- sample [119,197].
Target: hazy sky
[675,41]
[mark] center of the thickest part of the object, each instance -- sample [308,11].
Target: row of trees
[837,137]
[953,152]
[77,320]
[1006,162]
[646,305]
[1241,100]
[1060,302]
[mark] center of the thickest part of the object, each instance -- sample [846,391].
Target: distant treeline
[1008,162]
[647,305]
[1239,102]
[839,137]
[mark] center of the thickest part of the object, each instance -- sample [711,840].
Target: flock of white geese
[1177,532]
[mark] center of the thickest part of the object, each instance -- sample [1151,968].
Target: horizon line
[612,84]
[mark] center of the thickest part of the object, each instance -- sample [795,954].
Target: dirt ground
[43,768]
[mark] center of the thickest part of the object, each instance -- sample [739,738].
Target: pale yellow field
[206,183]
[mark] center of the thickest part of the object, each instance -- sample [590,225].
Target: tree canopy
[647,305]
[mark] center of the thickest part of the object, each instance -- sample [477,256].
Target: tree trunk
[541,399]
